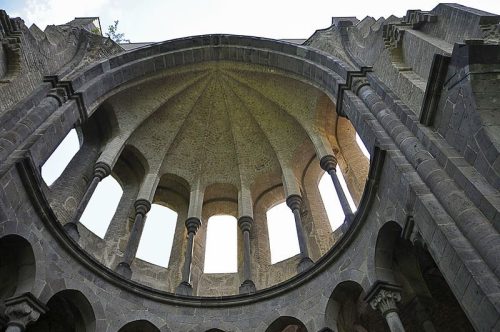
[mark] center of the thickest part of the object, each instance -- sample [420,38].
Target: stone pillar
[294,202]
[21,311]
[329,164]
[142,207]
[185,288]
[248,286]
[383,297]
[101,170]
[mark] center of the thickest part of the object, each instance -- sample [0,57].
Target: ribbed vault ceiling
[223,122]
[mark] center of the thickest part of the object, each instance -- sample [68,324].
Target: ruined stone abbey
[235,125]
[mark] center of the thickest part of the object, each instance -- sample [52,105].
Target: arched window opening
[68,310]
[331,201]
[157,237]
[102,206]
[283,240]
[362,146]
[60,158]
[221,245]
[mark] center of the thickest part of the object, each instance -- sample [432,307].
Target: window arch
[102,206]
[221,245]
[283,240]
[61,157]
[157,237]
[331,200]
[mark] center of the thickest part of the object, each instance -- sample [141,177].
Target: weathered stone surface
[222,124]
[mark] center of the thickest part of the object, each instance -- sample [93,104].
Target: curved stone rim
[32,183]
[90,85]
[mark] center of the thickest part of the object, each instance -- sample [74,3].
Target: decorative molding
[63,91]
[142,206]
[192,224]
[245,223]
[328,163]
[348,85]
[23,309]
[294,202]
[383,296]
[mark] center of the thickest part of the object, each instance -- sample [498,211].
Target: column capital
[245,223]
[328,163]
[358,83]
[23,310]
[192,224]
[294,202]
[383,297]
[142,206]
[101,170]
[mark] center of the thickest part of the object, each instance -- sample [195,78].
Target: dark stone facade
[421,253]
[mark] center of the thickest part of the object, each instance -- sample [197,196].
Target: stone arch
[17,266]
[134,160]
[139,326]
[345,307]
[286,324]
[384,251]
[68,310]
[173,191]
[105,121]
[214,330]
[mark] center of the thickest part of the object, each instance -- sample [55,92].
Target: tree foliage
[115,35]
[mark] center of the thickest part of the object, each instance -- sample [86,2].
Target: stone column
[294,202]
[185,288]
[142,207]
[329,164]
[383,297]
[21,311]
[101,170]
[248,286]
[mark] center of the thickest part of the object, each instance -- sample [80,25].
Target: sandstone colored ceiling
[223,122]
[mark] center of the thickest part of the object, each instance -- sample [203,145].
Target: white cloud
[43,13]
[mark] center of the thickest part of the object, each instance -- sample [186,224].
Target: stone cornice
[32,185]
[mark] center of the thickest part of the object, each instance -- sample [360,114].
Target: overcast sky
[149,20]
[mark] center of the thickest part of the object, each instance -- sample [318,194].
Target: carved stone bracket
[23,310]
[192,225]
[384,297]
[294,202]
[142,206]
[245,223]
[101,170]
[385,301]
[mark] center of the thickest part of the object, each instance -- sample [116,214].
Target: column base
[349,219]
[72,229]
[184,288]
[124,269]
[304,264]
[247,287]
